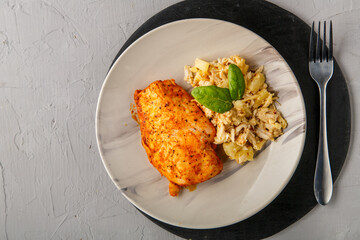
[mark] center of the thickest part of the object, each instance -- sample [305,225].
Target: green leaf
[236,82]
[214,98]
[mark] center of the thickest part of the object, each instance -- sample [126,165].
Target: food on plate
[236,82]
[214,98]
[177,136]
[220,99]
[238,103]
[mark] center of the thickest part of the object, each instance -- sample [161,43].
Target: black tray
[290,36]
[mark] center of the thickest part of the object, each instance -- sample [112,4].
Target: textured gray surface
[53,58]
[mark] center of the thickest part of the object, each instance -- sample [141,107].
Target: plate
[239,191]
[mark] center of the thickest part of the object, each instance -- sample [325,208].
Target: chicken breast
[176,135]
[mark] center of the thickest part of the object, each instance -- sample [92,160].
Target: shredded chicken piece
[253,120]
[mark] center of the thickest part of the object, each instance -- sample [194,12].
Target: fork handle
[323,185]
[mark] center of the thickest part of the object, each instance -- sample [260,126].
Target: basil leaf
[236,82]
[214,98]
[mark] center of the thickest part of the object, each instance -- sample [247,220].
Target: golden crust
[176,134]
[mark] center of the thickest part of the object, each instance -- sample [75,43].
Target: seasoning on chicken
[176,135]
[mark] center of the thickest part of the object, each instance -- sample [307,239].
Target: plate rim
[275,194]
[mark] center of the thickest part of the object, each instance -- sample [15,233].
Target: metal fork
[321,67]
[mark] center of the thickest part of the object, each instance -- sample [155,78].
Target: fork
[321,67]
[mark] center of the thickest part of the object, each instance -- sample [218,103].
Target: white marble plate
[238,192]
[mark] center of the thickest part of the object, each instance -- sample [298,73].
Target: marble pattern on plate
[238,192]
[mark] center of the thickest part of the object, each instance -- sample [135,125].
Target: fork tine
[317,57]
[323,50]
[311,47]
[330,43]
